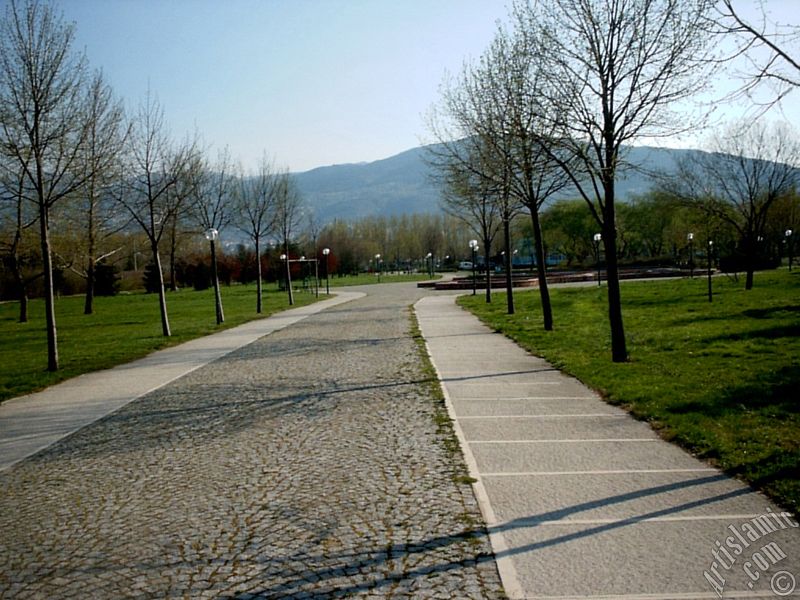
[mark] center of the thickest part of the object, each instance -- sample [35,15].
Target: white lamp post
[285,257]
[473,244]
[597,238]
[325,253]
[788,235]
[690,239]
[212,235]
[710,252]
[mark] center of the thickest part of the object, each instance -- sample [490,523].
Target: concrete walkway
[33,422]
[583,501]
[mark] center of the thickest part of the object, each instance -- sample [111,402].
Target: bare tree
[42,120]
[212,208]
[469,143]
[287,217]
[469,198]
[256,204]
[770,52]
[100,164]
[517,125]
[750,166]
[156,166]
[612,71]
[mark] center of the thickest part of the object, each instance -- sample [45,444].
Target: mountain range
[403,184]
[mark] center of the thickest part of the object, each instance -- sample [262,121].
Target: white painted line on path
[597,472]
[446,381]
[576,441]
[507,398]
[567,416]
[533,522]
[673,596]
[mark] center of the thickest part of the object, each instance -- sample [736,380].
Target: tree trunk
[16,269]
[541,270]
[507,265]
[23,305]
[162,296]
[259,305]
[88,304]
[619,351]
[748,282]
[289,275]
[173,250]
[217,297]
[22,288]
[49,301]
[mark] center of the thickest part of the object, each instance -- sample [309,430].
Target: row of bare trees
[73,161]
[402,241]
[565,89]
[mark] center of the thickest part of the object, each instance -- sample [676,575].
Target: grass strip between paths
[721,379]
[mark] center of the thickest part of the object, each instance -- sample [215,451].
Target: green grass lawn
[122,328]
[722,379]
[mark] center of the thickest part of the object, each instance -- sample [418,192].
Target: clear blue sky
[309,82]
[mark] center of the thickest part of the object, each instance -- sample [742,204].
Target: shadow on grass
[778,392]
[762,313]
[770,333]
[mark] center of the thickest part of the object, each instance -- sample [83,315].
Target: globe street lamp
[597,238]
[212,235]
[788,235]
[285,257]
[710,252]
[325,253]
[473,244]
[690,239]
[378,266]
[429,259]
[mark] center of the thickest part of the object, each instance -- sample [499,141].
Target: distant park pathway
[305,464]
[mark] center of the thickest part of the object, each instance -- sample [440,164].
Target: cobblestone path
[305,465]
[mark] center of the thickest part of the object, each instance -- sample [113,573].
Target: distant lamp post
[690,239]
[597,238]
[303,271]
[473,244]
[429,260]
[285,258]
[212,235]
[788,235]
[378,266]
[710,253]
[325,253]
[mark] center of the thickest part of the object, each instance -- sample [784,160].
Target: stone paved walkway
[306,464]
